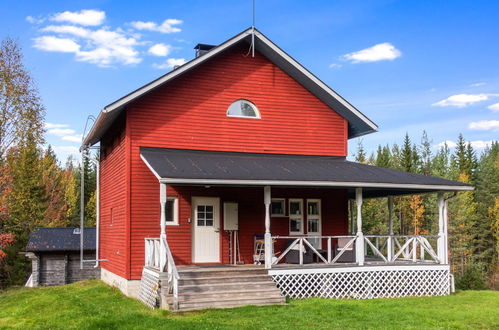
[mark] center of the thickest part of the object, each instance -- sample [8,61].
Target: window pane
[242,108]
[295,208]
[169,210]
[201,215]
[277,207]
[209,208]
[200,222]
[313,208]
[295,225]
[313,225]
[209,222]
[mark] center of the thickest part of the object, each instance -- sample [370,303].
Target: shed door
[206,232]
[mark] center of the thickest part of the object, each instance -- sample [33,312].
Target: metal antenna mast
[253,32]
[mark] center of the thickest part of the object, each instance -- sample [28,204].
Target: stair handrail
[173,276]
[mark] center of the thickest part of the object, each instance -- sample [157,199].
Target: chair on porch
[293,256]
[348,255]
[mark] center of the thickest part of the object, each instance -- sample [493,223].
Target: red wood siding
[190,111]
[113,211]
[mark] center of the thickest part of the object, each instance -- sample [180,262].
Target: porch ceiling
[199,167]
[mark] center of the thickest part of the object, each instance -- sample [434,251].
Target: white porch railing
[415,248]
[327,256]
[154,249]
[378,248]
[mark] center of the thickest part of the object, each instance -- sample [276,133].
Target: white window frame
[175,211]
[295,216]
[253,105]
[318,217]
[283,201]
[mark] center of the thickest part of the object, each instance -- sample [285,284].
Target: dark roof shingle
[60,239]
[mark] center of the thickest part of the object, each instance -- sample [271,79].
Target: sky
[407,65]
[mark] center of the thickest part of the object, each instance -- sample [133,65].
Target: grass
[93,305]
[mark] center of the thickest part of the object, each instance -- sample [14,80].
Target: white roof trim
[313,184]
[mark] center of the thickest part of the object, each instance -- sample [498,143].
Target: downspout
[82,203]
[97,211]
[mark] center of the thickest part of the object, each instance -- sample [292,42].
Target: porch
[310,264]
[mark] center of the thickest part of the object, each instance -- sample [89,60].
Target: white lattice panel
[354,284]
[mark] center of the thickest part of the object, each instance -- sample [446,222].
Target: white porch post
[389,244]
[446,230]
[268,236]
[359,243]
[162,201]
[442,253]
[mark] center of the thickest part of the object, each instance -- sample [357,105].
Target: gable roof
[60,239]
[181,166]
[358,123]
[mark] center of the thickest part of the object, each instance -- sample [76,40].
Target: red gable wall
[190,112]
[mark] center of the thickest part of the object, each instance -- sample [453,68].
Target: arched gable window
[243,108]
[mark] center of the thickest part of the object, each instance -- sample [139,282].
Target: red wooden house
[230,172]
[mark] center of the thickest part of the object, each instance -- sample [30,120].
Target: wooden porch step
[223,287]
[188,274]
[240,294]
[222,279]
[227,287]
[230,303]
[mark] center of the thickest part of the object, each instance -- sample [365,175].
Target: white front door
[206,232]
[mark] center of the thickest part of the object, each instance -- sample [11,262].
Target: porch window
[314,221]
[244,109]
[296,216]
[171,210]
[277,207]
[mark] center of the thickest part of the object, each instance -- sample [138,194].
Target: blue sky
[408,65]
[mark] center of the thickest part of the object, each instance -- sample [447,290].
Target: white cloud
[166,27]
[61,131]
[35,20]
[160,49]
[72,138]
[67,29]
[335,66]
[55,44]
[450,144]
[102,46]
[463,100]
[477,144]
[484,125]
[494,107]
[478,84]
[86,17]
[380,52]
[170,63]
[52,125]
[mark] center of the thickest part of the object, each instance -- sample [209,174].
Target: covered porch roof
[200,167]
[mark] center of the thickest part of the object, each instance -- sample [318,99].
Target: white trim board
[340,184]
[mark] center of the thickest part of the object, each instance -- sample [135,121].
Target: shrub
[473,277]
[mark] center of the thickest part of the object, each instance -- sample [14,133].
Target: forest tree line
[36,189]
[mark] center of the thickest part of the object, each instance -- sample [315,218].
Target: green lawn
[92,304]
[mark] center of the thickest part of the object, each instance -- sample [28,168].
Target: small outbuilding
[55,256]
